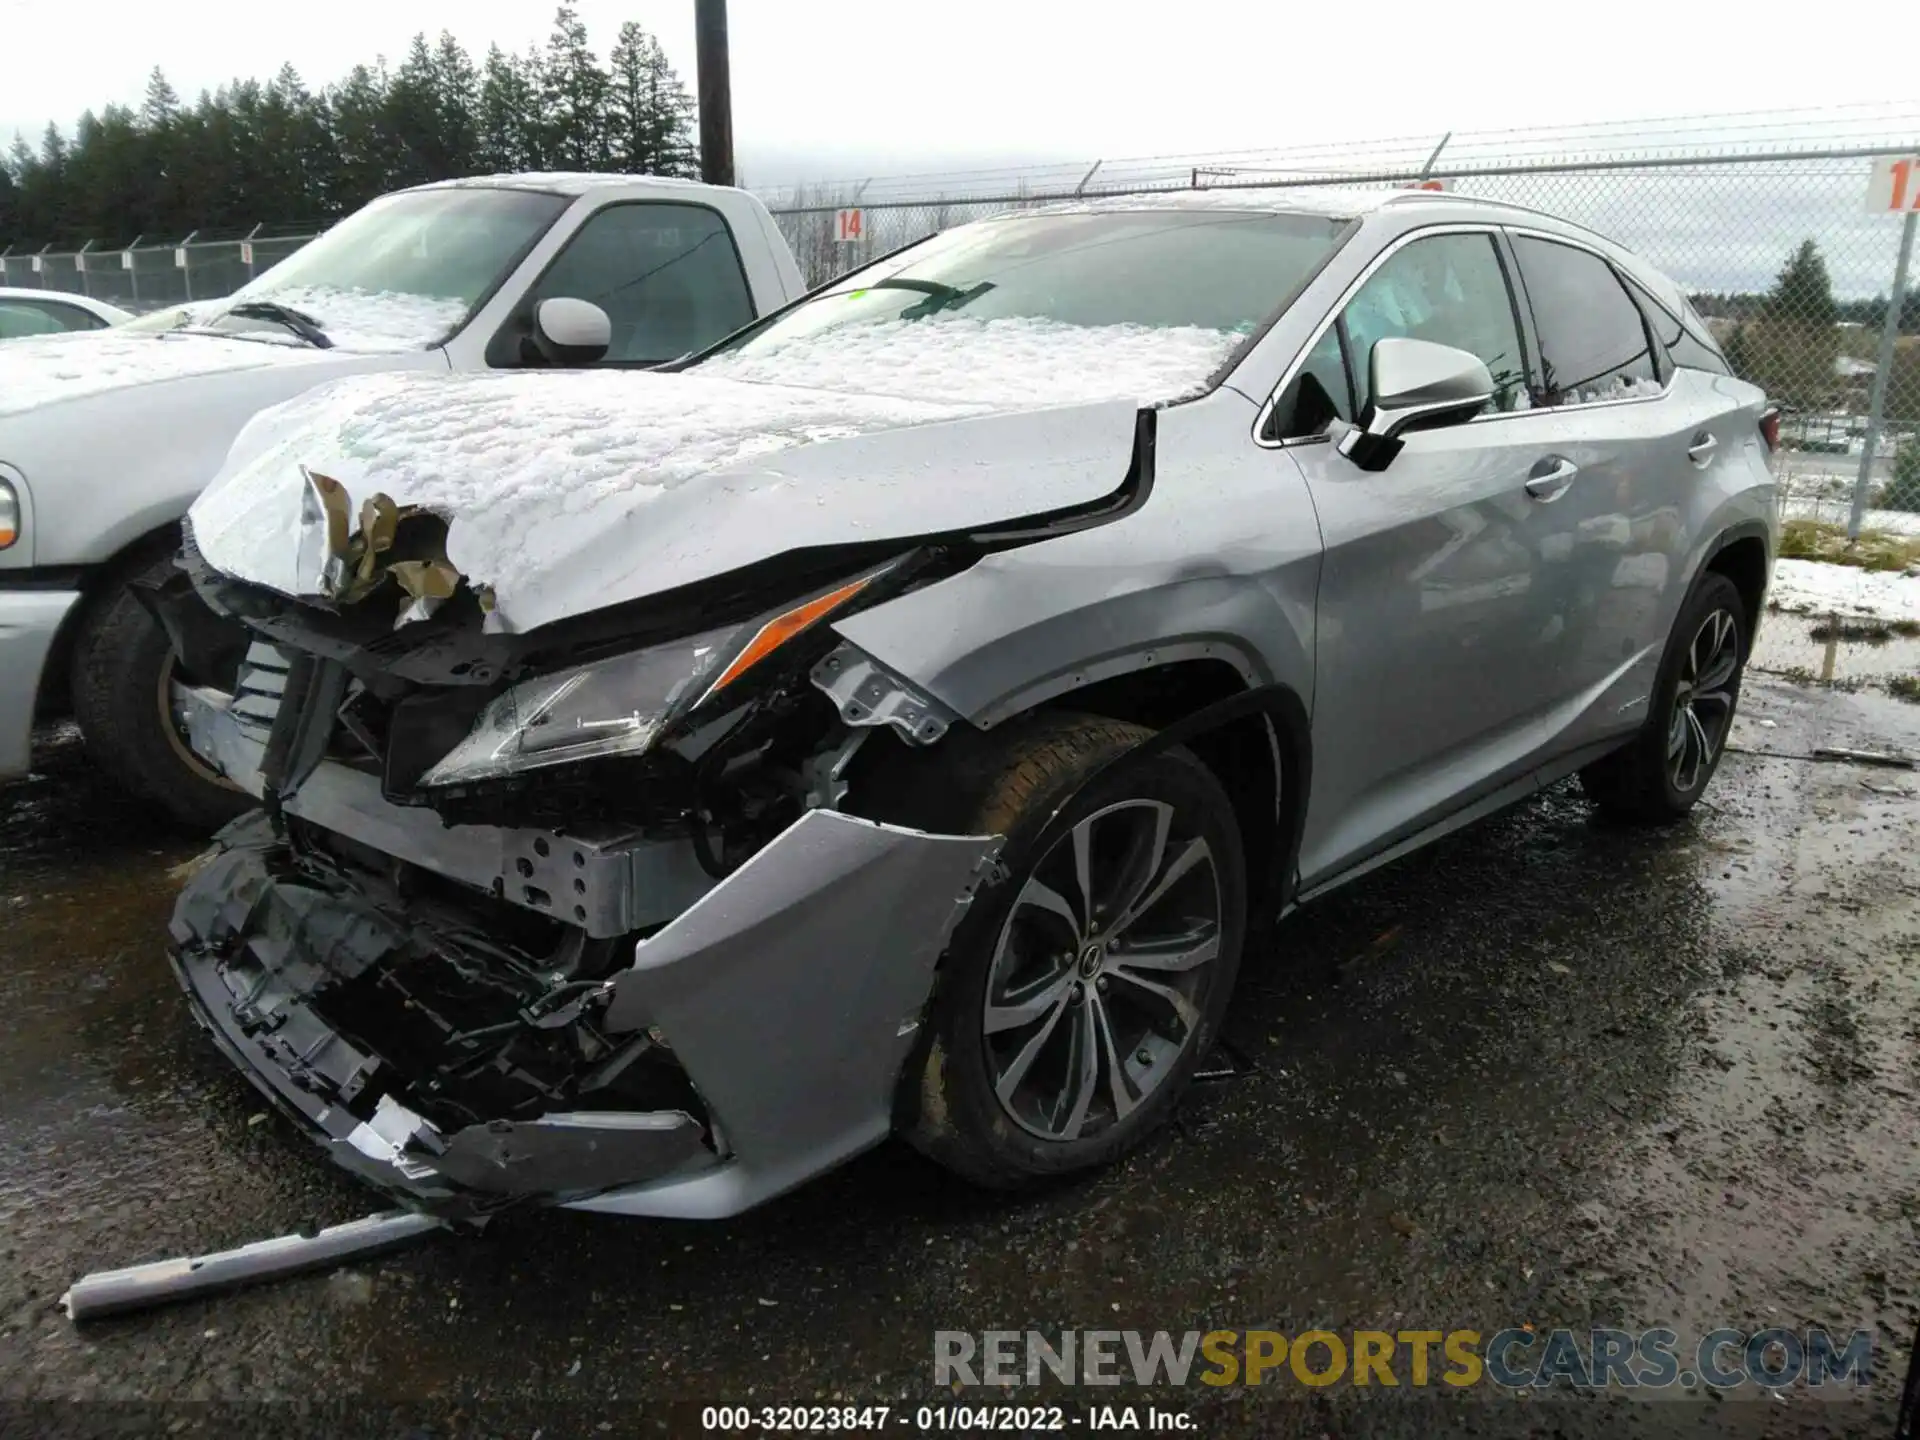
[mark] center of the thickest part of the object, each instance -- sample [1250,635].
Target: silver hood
[567,493]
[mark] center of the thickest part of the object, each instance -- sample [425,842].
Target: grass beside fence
[1875,550]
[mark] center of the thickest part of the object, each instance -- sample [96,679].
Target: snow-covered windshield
[402,274]
[1053,306]
[1218,270]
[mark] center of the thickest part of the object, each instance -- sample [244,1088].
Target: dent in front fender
[791,993]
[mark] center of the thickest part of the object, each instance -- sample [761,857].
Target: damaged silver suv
[890,720]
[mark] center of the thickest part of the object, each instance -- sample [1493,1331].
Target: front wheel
[127,687]
[1660,775]
[1080,992]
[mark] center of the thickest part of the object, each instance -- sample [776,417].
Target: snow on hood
[369,320]
[569,492]
[44,369]
[1008,361]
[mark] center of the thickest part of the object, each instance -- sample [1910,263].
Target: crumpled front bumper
[790,993]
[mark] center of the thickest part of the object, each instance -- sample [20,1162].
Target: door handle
[1551,477]
[1700,452]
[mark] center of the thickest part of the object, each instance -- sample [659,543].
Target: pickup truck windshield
[1219,270]
[404,273]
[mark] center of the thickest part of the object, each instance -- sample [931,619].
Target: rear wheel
[128,687]
[1660,775]
[1079,993]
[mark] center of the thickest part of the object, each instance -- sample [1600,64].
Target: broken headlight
[611,707]
[619,706]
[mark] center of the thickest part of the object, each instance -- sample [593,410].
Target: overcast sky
[861,87]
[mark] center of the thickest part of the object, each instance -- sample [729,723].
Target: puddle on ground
[1836,650]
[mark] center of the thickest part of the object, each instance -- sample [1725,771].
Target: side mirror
[1414,382]
[570,332]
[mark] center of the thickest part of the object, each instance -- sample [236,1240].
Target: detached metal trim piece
[109,1292]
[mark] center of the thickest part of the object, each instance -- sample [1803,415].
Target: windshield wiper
[939,297]
[305,326]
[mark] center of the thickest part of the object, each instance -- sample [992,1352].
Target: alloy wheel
[1096,983]
[1703,701]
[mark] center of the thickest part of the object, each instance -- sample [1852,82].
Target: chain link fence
[147,275]
[1787,266]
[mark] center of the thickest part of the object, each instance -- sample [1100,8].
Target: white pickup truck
[106,438]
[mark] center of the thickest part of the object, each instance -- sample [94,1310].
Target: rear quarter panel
[1736,495]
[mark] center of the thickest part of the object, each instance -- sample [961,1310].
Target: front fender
[1222,561]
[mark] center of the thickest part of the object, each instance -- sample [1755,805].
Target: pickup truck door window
[667,275]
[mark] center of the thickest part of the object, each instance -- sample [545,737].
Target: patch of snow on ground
[507,456]
[372,320]
[48,368]
[1821,589]
[1014,361]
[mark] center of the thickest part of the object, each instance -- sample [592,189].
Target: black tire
[122,665]
[1643,782]
[1035,786]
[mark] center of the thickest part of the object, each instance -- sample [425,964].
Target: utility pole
[716,92]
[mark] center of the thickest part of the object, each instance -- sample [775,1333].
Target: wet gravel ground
[1546,1072]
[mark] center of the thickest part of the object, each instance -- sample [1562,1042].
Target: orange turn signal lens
[782,628]
[9,515]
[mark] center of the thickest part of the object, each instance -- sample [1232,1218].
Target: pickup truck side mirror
[570,332]
[1414,383]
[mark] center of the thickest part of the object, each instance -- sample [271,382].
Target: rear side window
[1683,348]
[1593,342]
[668,277]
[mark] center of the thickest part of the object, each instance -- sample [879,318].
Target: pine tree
[162,103]
[1790,347]
[456,88]
[650,121]
[367,164]
[1802,293]
[575,93]
[412,114]
[505,107]
[278,152]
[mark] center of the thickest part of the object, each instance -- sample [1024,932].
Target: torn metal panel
[791,994]
[412,1047]
[572,1152]
[420,1053]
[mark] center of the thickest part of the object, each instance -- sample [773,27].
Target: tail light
[1770,427]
